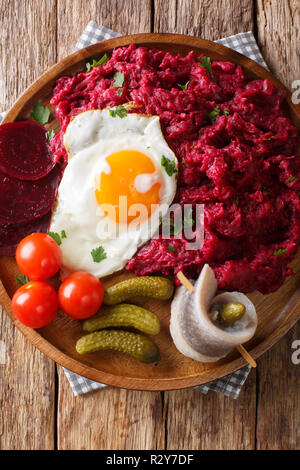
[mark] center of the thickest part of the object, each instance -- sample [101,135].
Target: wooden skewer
[243,352]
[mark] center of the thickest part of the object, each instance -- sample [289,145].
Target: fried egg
[114,191]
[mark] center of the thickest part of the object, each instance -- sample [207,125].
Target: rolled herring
[192,328]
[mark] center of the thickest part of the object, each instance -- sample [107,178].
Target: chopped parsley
[98,254]
[40,113]
[213,114]
[50,134]
[22,279]
[264,189]
[225,112]
[175,230]
[298,192]
[270,138]
[205,63]
[291,179]
[279,252]
[55,237]
[120,92]
[188,220]
[63,234]
[183,87]
[184,162]
[101,61]
[118,111]
[119,79]
[169,165]
[171,248]
[237,200]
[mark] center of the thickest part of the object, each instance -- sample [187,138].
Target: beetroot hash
[237,152]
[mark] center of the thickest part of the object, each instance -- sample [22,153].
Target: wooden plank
[27,376]
[212,421]
[196,421]
[109,419]
[119,15]
[278,407]
[206,19]
[278,426]
[278,30]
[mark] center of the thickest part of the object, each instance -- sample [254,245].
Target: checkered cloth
[245,44]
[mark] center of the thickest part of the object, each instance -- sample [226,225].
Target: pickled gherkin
[124,315]
[146,286]
[135,345]
[231,312]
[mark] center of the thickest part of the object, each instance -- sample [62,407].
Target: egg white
[89,139]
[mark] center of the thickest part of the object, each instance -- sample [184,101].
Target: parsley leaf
[120,92]
[225,112]
[213,114]
[119,79]
[171,248]
[291,179]
[40,113]
[175,230]
[101,61]
[98,254]
[63,234]
[205,63]
[55,237]
[169,165]
[237,200]
[183,87]
[279,252]
[118,111]
[188,220]
[22,279]
[270,138]
[50,134]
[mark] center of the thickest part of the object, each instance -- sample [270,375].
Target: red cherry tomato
[35,304]
[80,295]
[38,256]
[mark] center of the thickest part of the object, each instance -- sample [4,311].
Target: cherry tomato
[35,304]
[38,256]
[80,295]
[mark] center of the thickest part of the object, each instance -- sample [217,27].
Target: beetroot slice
[12,234]
[21,201]
[24,150]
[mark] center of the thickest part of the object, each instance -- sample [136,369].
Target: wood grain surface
[39,412]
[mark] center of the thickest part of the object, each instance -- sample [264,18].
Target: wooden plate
[277,312]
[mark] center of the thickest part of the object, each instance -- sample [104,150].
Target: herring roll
[206,327]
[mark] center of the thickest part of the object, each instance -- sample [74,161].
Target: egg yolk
[125,166]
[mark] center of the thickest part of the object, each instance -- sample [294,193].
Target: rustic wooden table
[38,409]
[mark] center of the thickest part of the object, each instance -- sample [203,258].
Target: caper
[231,312]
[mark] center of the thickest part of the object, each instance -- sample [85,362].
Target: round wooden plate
[277,312]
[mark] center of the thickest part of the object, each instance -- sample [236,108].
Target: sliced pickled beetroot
[21,201]
[12,234]
[24,150]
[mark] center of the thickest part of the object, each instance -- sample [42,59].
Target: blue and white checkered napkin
[245,44]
